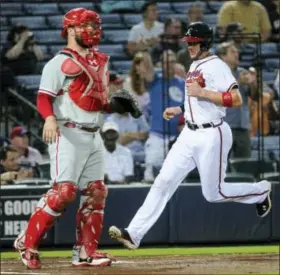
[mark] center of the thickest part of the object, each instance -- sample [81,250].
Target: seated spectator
[251,14]
[119,166]
[169,40]
[165,90]
[9,166]
[273,10]
[262,110]
[194,13]
[238,118]
[136,81]
[28,156]
[145,35]
[132,133]
[21,52]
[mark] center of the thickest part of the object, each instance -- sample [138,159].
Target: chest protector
[87,89]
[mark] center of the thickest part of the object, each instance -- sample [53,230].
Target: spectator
[165,90]
[262,111]
[9,166]
[184,59]
[195,13]
[251,14]
[132,133]
[273,10]
[145,35]
[238,118]
[4,141]
[21,52]
[119,167]
[29,156]
[137,79]
[169,40]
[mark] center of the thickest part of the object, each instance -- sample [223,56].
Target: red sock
[38,225]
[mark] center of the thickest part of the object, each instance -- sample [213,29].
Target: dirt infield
[203,264]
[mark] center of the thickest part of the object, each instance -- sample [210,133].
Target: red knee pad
[97,192]
[61,195]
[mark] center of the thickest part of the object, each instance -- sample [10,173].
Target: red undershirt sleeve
[45,105]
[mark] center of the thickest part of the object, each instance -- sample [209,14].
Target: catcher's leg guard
[50,207]
[90,216]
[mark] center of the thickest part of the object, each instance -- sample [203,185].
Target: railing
[22,112]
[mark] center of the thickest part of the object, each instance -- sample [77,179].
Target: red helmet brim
[192,39]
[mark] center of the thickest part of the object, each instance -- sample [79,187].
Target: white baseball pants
[208,150]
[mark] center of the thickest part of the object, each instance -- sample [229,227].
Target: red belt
[75,125]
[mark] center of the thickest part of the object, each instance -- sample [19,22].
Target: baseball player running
[72,98]
[204,142]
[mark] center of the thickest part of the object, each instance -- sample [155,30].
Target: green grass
[162,251]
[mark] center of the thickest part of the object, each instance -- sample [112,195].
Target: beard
[80,42]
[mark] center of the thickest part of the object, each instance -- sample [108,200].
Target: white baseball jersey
[212,74]
[53,81]
[119,164]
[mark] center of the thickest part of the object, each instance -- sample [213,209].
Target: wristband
[182,107]
[227,99]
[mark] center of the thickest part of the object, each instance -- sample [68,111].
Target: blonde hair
[135,77]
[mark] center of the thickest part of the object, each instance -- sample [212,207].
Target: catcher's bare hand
[171,112]
[50,130]
[194,89]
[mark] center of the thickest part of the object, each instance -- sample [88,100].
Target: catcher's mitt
[123,101]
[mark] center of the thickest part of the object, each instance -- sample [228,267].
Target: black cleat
[264,208]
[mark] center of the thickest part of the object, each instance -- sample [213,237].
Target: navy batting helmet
[199,32]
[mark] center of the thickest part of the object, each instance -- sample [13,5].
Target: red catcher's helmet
[81,17]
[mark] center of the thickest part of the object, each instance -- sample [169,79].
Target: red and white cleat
[97,259]
[29,256]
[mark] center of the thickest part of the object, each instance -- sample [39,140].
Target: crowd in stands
[152,63]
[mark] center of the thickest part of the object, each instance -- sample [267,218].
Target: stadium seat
[182,7]
[211,19]
[41,9]
[4,23]
[49,37]
[65,7]
[180,16]
[29,81]
[252,166]
[268,76]
[132,19]
[239,177]
[269,48]
[114,51]
[164,8]
[11,9]
[116,36]
[122,67]
[213,6]
[54,49]
[3,36]
[40,66]
[55,21]
[33,22]
[112,21]
[272,63]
